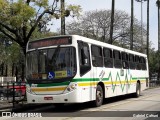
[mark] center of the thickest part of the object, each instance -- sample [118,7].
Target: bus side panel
[87,87]
[137,75]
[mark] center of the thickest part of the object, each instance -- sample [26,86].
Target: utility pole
[147,29]
[158,5]
[142,22]
[62,18]
[147,41]
[131,27]
[112,22]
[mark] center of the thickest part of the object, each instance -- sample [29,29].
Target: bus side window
[125,60]
[97,59]
[143,63]
[131,61]
[117,59]
[145,66]
[108,58]
[84,57]
[137,60]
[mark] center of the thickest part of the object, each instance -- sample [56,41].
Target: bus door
[85,66]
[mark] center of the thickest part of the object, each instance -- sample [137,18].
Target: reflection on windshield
[51,63]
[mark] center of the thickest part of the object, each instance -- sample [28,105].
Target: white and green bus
[76,69]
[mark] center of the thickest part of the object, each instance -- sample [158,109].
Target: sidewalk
[18,107]
[5,105]
[8,105]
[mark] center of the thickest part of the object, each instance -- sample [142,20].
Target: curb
[21,107]
[25,107]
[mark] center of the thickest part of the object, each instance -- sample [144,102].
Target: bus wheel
[138,90]
[99,96]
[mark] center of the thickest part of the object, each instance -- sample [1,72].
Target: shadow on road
[81,106]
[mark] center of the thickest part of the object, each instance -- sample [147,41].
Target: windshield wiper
[55,55]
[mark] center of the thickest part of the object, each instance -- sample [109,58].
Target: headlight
[71,87]
[28,89]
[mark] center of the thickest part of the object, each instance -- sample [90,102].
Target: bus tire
[138,90]
[99,96]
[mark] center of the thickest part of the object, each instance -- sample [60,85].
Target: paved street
[124,106]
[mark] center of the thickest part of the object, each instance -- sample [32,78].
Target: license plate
[48,98]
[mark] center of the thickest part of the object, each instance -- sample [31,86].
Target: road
[144,107]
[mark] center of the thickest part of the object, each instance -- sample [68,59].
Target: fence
[154,82]
[13,92]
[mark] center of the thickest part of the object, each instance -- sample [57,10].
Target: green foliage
[22,20]
[42,3]
[15,14]
[21,13]
[76,10]
[154,61]
[19,19]
[37,35]
[158,3]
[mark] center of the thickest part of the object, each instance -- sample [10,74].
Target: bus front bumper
[70,97]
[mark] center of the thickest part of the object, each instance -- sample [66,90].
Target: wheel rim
[138,90]
[99,96]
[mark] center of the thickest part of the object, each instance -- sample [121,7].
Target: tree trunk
[6,70]
[23,69]
[2,73]
[16,73]
[12,69]
[23,61]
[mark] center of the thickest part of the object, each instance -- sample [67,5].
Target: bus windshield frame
[51,65]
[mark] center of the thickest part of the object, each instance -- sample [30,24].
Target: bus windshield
[50,64]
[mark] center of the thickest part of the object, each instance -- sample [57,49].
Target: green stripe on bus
[95,80]
[88,79]
[54,84]
[138,78]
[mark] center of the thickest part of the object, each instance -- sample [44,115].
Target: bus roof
[95,42]
[99,43]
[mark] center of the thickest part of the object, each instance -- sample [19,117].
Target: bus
[76,69]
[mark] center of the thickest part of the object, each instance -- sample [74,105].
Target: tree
[96,25]
[19,19]
[154,64]
[11,57]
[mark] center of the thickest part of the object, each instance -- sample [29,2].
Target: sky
[125,5]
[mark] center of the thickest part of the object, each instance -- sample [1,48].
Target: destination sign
[50,42]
